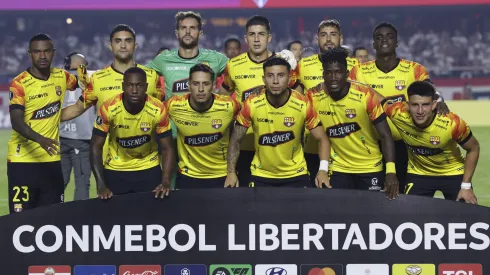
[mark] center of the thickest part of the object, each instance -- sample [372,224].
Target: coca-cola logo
[147,272]
[140,270]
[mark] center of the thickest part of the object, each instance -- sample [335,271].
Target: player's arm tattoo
[96,145]
[387,144]
[167,152]
[237,136]
[472,148]
[21,127]
[73,111]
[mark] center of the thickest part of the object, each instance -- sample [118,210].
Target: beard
[190,45]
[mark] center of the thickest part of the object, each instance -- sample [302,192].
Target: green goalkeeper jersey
[175,69]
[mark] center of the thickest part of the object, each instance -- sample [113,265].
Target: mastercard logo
[321,271]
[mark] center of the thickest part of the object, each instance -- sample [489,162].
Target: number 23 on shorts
[18,197]
[408,187]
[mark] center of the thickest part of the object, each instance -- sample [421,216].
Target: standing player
[33,163]
[435,161]
[348,113]
[390,76]
[309,73]
[244,76]
[233,47]
[135,123]
[296,47]
[204,121]
[279,116]
[361,54]
[75,137]
[106,83]
[174,65]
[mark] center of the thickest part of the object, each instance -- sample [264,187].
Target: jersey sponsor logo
[350,113]
[313,77]
[98,120]
[266,120]
[186,123]
[145,126]
[110,88]
[202,139]
[424,151]
[120,126]
[216,123]
[245,76]
[47,111]
[47,85]
[327,113]
[377,86]
[289,121]
[400,84]
[342,130]
[133,142]
[395,99]
[386,77]
[435,140]
[181,85]
[249,92]
[276,138]
[176,68]
[32,97]
[58,90]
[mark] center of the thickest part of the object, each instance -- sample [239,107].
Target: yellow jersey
[349,124]
[203,137]
[278,134]
[41,100]
[107,83]
[132,144]
[392,85]
[432,151]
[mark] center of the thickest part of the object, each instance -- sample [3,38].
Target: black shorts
[186,182]
[243,166]
[297,182]
[428,185]
[367,181]
[313,164]
[34,184]
[124,182]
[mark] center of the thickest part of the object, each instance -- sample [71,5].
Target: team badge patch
[145,126]
[350,113]
[216,123]
[435,140]
[98,120]
[289,121]
[18,207]
[400,84]
[58,90]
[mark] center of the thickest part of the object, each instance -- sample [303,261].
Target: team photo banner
[247,226]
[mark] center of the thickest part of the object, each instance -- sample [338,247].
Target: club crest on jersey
[58,90]
[289,121]
[145,126]
[350,113]
[216,123]
[400,84]
[434,140]
[18,207]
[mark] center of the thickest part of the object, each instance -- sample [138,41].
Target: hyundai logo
[276,271]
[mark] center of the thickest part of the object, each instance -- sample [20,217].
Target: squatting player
[434,159]
[309,73]
[33,163]
[204,122]
[135,122]
[106,83]
[278,116]
[348,112]
[390,76]
[243,77]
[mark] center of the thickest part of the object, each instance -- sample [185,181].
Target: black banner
[301,229]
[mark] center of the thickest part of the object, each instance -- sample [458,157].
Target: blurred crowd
[458,47]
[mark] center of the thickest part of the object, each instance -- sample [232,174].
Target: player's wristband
[323,165]
[466,185]
[390,168]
